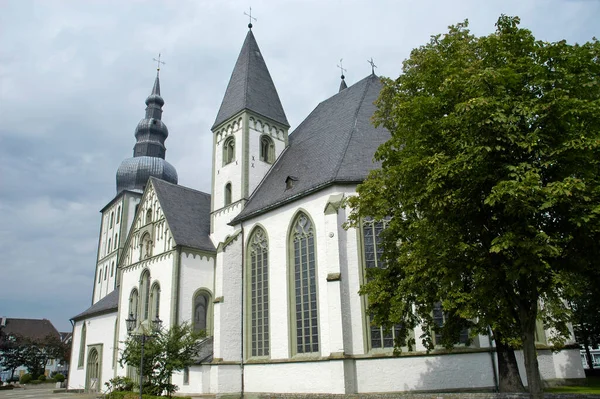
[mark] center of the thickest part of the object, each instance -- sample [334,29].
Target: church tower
[249,133]
[133,174]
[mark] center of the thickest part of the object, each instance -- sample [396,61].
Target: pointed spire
[251,87]
[156,88]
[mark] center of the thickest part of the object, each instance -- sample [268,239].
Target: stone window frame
[154,300]
[386,339]
[227,194]
[207,294]
[309,241]
[134,304]
[144,302]
[254,350]
[228,150]
[267,149]
[82,347]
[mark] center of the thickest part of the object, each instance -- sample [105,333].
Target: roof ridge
[179,186]
[353,130]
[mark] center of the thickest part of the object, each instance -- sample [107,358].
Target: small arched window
[99,275]
[227,194]
[112,269]
[267,149]
[202,310]
[228,151]
[105,272]
[116,241]
[149,216]
[112,219]
[108,247]
[118,214]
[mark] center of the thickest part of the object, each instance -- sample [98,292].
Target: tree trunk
[534,381]
[509,379]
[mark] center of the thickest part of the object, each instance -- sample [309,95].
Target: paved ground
[41,393]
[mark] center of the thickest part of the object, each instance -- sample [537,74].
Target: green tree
[11,355]
[166,352]
[586,313]
[491,179]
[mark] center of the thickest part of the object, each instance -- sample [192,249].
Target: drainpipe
[242,313]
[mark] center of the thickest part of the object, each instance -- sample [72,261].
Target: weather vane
[250,18]
[373,66]
[342,69]
[158,62]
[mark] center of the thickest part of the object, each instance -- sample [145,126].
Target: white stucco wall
[199,380]
[469,370]
[295,377]
[196,272]
[258,127]
[100,332]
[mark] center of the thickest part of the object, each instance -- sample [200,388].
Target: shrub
[35,382]
[42,378]
[25,379]
[59,377]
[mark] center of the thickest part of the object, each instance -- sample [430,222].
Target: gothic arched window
[145,293]
[202,312]
[82,346]
[304,286]
[133,304]
[155,301]
[228,151]
[228,194]
[267,149]
[258,290]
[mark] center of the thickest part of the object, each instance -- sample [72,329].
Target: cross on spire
[342,69]
[373,66]
[158,62]
[250,18]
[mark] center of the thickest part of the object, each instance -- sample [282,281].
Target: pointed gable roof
[187,212]
[251,87]
[35,329]
[334,144]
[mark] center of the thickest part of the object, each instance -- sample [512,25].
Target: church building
[262,263]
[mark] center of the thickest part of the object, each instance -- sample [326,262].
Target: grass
[592,387]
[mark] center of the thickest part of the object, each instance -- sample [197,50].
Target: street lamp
[141,335]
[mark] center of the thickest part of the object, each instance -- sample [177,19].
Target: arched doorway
[93,371]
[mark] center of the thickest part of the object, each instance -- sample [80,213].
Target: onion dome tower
[149,150]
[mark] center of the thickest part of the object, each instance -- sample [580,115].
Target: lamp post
[143,337]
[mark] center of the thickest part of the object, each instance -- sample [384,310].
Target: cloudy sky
[74,76]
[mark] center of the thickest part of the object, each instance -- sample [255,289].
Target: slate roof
[334,144]
[108,304]
[187,212]
[251,87]
[35,329]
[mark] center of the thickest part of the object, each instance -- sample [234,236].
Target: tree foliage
[164,353]
[491,181]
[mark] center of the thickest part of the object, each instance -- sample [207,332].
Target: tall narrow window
[228,151]
[82,346]
[118,213]
[227,194]
[116,242]
[112,219]
[145,293]
[112,269]
[373,250]
[304,282]
[133,304]
[259,293]
[99,275]
[148,216]
[155,301]
[267,149]
[108,248]
[202,312]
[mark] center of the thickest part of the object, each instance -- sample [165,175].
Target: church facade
[263,263]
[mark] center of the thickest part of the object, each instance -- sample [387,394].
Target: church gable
[150,234]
